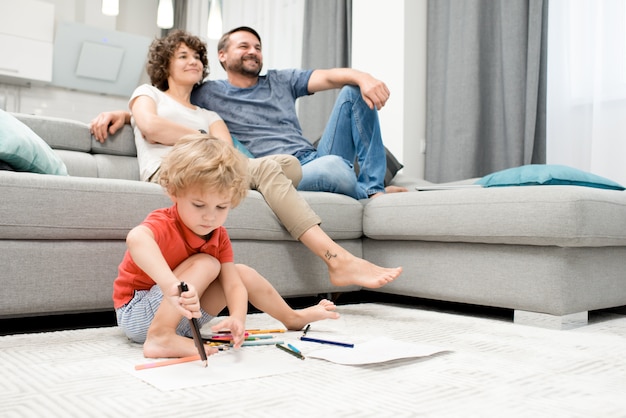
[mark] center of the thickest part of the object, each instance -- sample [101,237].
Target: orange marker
[167,362]
[263,331]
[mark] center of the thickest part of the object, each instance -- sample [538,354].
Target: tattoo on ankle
[328,255]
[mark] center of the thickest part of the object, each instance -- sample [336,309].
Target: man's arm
[107,123]
[374,92]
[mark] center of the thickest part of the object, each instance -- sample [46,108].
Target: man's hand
[374,92]
[107,123]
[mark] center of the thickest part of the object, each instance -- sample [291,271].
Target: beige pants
[273,176]
[276,177]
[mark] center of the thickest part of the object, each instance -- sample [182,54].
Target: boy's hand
[236,327]
[187,302]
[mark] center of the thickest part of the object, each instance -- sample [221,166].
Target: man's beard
[241,68]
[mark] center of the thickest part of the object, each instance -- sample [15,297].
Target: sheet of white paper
[378,350]
[226,366]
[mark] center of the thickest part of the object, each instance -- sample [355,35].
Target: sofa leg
[542,320]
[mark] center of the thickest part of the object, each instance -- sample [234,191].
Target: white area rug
[493,368]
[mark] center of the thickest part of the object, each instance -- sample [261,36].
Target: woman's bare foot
[172,345]
[347,269]
[325,309]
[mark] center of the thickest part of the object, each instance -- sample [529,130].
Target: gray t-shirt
[262,117]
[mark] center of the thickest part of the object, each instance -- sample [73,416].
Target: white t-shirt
[149,155]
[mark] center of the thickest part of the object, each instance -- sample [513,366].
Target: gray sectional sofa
[550,253]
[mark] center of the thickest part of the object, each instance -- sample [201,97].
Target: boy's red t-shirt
[177,243]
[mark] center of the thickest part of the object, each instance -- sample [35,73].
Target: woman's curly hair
[161,52]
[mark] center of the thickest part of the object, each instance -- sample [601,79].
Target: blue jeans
[352,133]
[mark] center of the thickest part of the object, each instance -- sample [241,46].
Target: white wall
[389,42]
[136,16]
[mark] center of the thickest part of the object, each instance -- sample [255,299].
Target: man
[260,112]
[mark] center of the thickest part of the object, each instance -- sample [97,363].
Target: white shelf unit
[26,41]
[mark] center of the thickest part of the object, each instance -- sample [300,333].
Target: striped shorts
[136,316]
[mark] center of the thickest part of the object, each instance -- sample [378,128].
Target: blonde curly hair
[201,160]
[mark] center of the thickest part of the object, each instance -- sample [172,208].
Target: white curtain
[279,22]
[586,100]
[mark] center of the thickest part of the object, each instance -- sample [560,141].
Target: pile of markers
[252,337]
[223,341]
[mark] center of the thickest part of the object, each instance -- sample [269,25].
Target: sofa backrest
[81,153]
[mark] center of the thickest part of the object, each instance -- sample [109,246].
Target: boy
[187,242]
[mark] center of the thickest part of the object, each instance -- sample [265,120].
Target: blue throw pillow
[546,174]
[240,147]
[24,150]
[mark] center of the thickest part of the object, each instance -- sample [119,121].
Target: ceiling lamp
[214,30]
[110,7]
[165,14]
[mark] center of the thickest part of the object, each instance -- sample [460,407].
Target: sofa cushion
[242,148]
[94,208]
[59,133]
[546,174]
[74,208]
[121,143]
[342,217]
[67,134]
[567,216]
[24,150]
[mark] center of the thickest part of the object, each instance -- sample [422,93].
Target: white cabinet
[26,40]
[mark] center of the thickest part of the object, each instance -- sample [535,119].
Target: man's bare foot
[395,189]
[325,309]
[390,189]
[348,269]
[172,345]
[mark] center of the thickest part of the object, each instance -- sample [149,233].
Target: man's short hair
[222,43]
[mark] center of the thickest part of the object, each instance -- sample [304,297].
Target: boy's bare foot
[172,345]
[325,309]
[349,270]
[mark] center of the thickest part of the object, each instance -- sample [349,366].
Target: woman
[163,113]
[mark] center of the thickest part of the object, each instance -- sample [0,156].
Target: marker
[293,348]
[225,337]
[260,342]
[220,346]
[306,329]
[195,329]
[168,362]
[259,337]
[317,340]
[173,361]
[293,353]
[264,331]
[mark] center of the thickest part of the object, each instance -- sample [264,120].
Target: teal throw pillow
[24,150]
[240,147]
[546,174]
